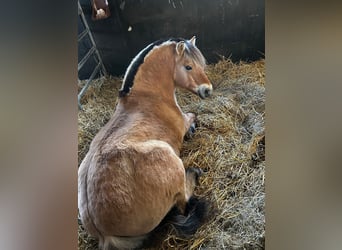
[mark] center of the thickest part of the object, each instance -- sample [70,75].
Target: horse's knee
[189,119]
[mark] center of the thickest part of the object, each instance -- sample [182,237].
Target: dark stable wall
[229,28]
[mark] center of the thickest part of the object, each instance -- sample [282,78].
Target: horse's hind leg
[192,175]
[192,212]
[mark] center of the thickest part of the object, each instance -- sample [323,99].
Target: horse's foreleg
[189,123]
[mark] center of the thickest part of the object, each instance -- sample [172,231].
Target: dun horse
[132,175]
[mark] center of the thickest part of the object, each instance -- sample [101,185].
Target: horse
[132,176]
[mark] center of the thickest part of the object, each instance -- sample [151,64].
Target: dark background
[234,28]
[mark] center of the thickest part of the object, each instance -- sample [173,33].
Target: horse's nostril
[206,92]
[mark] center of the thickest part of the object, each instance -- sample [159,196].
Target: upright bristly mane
[128,81]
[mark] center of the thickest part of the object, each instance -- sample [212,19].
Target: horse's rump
[131,190]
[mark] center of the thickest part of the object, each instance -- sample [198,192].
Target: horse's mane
[190,51]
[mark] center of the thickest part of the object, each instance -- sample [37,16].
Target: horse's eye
[188,67]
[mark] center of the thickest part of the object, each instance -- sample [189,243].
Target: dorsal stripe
[137,61]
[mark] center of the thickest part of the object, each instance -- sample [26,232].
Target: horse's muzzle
[204,90]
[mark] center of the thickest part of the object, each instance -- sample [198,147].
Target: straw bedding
[229,145]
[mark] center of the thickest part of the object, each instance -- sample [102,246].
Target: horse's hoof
[191,131]
[192,128]
[197,173]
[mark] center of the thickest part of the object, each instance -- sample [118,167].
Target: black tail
[195,215]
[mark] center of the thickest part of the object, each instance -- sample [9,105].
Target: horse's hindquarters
[130,193]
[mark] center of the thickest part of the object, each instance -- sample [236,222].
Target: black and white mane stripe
[137,61]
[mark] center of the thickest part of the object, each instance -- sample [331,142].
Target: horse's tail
[196,213]
[120,242]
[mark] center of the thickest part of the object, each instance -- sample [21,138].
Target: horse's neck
[153,94]
[155,75]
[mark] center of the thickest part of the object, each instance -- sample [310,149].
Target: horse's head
[189,70]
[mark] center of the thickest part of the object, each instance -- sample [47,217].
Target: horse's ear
[193,40]
[180,47]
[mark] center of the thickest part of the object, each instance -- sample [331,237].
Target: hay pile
[229,145]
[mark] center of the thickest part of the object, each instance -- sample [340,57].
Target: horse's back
[130,189]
